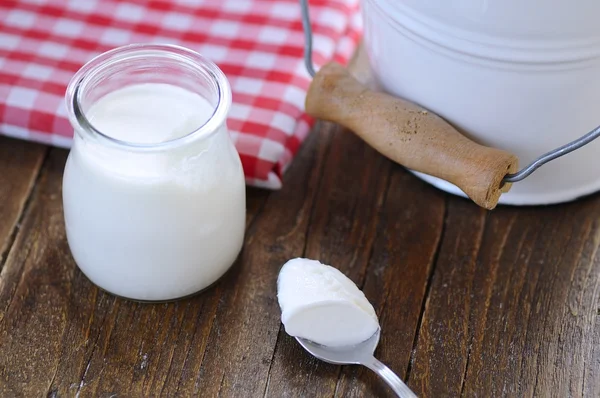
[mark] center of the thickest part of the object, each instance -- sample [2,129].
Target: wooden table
[472,303]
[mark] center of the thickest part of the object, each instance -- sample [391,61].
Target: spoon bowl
[349,355]
[359,354]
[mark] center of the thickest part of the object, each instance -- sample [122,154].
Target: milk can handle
[509,178]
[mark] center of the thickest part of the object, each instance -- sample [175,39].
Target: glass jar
[153,189]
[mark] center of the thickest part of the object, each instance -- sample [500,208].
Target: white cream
[155,225]
[321,304]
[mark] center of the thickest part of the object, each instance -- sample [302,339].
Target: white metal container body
[520,76]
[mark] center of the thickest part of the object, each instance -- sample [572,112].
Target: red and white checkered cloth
[257,43]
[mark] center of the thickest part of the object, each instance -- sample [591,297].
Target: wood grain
[407,238]
[62,335]
[513,304]
[547,285]
[471,303]
[442,351]
[244,331]
[20,163]
[34,293]
[341,233]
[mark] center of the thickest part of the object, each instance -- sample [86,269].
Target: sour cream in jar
[153,189]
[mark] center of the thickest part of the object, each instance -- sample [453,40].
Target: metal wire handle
[554,154]
[516,177]
[308,42]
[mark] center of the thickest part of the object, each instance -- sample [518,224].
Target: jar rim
[77,116]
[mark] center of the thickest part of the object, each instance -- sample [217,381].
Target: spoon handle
[390,378]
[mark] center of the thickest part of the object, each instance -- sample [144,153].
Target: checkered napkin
[257,43]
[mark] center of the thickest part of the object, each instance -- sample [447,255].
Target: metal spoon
[360,354]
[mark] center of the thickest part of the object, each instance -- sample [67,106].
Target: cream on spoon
[320,304]
[331,318]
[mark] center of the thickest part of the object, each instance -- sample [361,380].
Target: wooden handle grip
[410,135]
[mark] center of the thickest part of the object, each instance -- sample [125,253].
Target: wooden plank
[442,350]
[62,336]
[512,308]
[408,236]
[513,304]
[20,163]
[536,321]
[371,247]
[341,233]
[244,332]
[33,293]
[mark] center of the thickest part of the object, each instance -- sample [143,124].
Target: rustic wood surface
[471,303]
